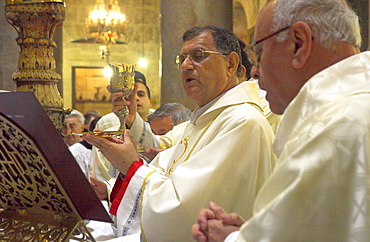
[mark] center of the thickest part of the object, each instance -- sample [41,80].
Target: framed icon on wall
[89,90]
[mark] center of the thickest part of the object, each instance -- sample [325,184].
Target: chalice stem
[122,115]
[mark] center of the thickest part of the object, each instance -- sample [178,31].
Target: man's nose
[255,72]
[187,64]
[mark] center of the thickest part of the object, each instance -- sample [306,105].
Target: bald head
[304,37]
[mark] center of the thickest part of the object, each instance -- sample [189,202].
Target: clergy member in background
[80,149]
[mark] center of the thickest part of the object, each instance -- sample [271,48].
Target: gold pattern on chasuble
[33,200]
[165,143]
[185,142]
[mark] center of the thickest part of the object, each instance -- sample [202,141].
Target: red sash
[121,185]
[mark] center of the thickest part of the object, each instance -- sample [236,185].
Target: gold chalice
[122,80]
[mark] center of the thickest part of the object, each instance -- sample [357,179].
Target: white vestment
[99,164]
[319,190]
[101,168]
[82,156]
[225,157]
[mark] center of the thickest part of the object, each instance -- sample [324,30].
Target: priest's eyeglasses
[254,57]
[197,55]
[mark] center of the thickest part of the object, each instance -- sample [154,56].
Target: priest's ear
[233,63]
[301,36]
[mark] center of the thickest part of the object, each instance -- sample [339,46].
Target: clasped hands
[214,224]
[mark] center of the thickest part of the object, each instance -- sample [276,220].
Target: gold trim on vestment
[185,140]
[141,205]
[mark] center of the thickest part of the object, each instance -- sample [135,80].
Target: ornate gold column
[36,21]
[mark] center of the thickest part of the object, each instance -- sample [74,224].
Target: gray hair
[331,21]
[178,112]
[180,116]
[76,114]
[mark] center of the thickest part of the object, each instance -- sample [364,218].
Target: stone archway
[244,17]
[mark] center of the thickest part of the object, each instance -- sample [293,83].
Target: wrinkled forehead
[264,21]
[202,41]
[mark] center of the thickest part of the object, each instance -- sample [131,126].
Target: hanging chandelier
[106,24]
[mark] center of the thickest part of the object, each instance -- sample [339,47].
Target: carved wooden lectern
[44,195]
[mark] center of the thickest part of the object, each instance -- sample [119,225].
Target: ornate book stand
[44,196]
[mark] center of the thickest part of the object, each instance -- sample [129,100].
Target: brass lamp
[106,24]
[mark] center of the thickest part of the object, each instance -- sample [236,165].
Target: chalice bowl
[122,80]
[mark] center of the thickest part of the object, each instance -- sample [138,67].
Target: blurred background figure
[93,124]
[144,104]
[80,149]
[167,116]
[245,62]
[163,120]
[89,117]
